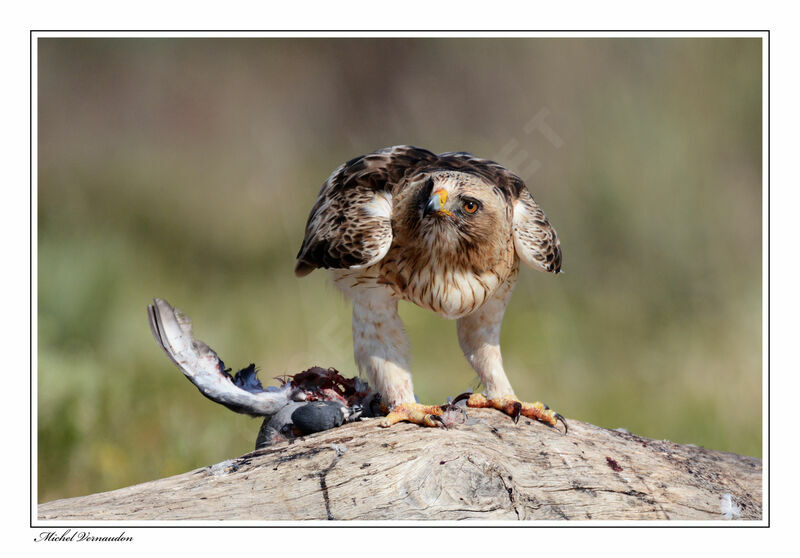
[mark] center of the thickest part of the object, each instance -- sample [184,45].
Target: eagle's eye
[470,206]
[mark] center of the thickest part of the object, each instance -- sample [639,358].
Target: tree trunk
[487,468]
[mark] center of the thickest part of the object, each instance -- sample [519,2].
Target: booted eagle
[446,232]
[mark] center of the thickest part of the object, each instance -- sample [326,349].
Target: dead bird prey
[311,401]
[314,400]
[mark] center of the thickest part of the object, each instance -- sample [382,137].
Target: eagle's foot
[513,407]
[424,415]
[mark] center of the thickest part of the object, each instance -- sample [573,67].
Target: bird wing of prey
[242,393]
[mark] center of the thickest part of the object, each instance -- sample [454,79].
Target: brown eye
[470,206]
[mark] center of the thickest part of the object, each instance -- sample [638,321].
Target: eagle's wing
[535,239]
[350,225]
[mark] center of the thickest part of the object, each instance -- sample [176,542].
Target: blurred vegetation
[185,169]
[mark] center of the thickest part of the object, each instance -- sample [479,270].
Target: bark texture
[488,468]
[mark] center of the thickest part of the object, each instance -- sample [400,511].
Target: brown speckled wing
[350,224]
[535,239]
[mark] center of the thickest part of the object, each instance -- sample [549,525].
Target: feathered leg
[380,348]
[479,337]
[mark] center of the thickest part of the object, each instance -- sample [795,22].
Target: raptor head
[459,214]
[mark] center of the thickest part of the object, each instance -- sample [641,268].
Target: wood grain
[488,468]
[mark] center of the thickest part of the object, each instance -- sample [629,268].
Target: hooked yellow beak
[436,203]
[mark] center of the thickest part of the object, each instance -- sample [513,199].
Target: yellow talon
[424,415]
[513,407]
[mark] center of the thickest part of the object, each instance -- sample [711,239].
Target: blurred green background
[185,169]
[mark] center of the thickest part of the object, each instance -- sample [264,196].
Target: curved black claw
[461,397]
[517,411]
[564,422]
[438,419]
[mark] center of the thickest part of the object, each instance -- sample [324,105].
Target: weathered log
[488,468]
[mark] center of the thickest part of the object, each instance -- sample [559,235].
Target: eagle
[446,232]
